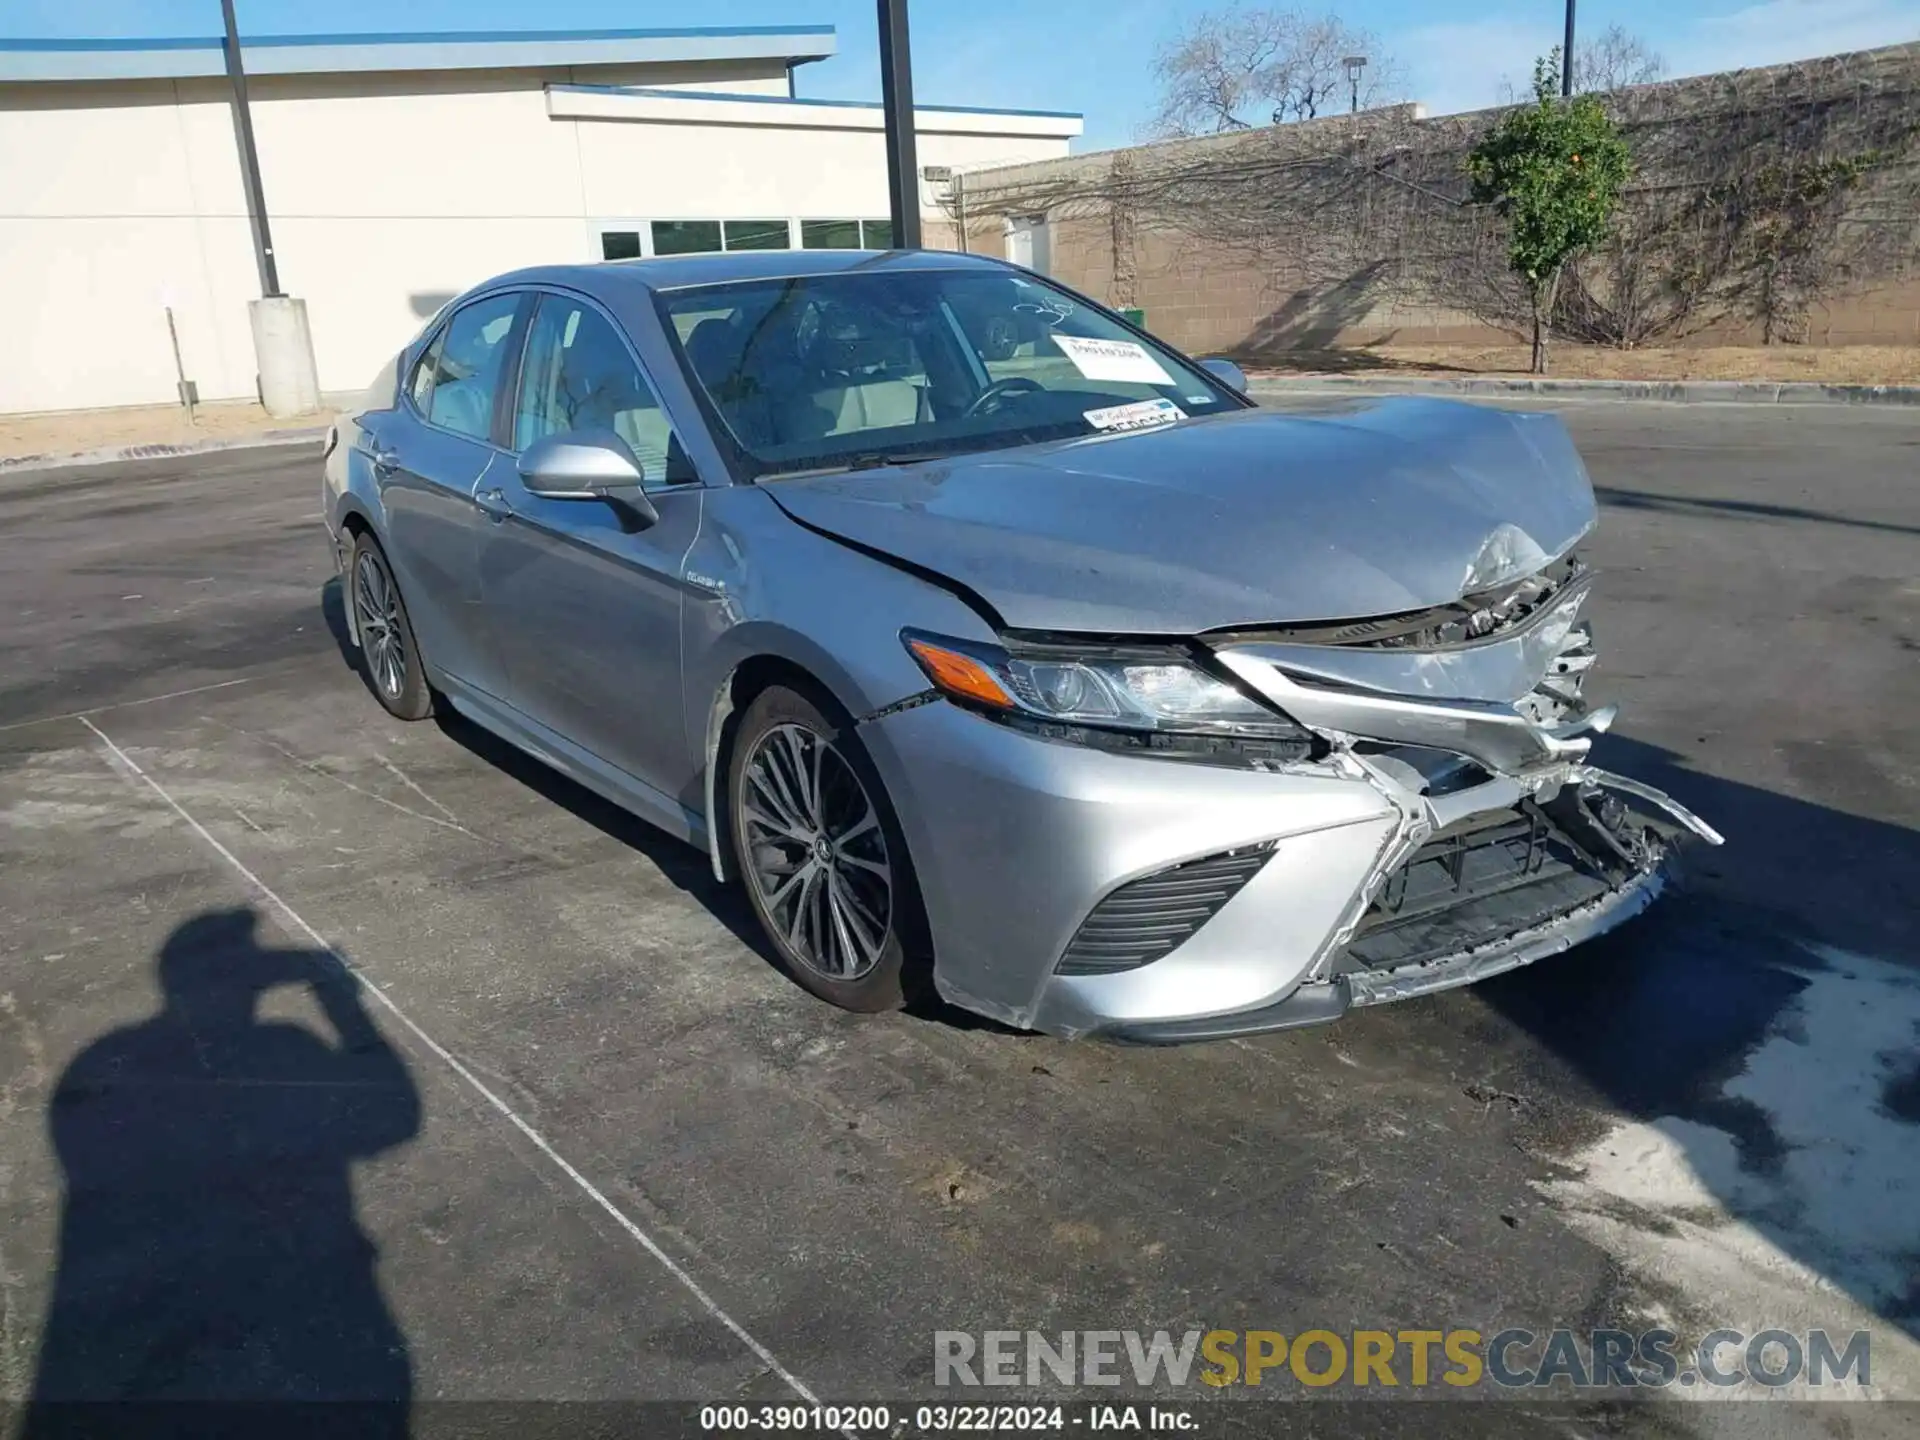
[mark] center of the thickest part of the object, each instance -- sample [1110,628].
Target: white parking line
[127,704]
[534,1137]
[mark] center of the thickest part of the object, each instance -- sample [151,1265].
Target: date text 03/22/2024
[944,1419]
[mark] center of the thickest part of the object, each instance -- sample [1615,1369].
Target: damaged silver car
[1052,676]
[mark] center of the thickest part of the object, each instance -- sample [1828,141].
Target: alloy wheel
[377,608]
[817,855]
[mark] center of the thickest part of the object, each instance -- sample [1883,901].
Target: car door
[586,612]
[427,458]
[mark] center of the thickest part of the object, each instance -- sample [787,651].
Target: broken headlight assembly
[1136,699]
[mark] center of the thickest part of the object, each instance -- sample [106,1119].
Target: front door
[588,615]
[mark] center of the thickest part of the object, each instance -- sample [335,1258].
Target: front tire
[388,651]
[820,852]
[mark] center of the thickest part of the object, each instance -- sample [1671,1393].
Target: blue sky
[1093,56]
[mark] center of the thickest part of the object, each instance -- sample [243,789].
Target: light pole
[1566,56]
[1355,64]
[896,96]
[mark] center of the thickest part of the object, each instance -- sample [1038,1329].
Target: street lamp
[1355,64]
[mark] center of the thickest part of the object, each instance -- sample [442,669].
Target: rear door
[588,616]
[428,457]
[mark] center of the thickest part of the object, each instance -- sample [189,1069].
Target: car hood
[1259,517]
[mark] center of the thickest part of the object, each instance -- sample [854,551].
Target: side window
[466,369]
[578,374]
[420,385]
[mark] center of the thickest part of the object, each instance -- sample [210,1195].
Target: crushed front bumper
[1453,831]
[1019,842]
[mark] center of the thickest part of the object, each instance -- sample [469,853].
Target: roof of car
[674,272]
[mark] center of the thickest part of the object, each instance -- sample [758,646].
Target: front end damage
[1470,721]
[1444,824]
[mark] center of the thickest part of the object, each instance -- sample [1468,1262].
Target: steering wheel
[999,390]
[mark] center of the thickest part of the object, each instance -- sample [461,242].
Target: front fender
[761,587]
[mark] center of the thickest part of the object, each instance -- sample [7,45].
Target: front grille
[1146,918]
[1480,882]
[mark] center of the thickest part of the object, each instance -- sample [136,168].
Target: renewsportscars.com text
[1460,1358]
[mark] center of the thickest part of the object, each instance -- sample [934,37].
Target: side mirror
[592,464]
[1227,373]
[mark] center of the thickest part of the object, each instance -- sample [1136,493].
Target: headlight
[1128,698]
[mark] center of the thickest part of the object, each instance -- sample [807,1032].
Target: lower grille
[1480,882]
[1147,918]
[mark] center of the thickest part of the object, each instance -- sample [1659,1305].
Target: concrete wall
[1262,242]
[1209,301]
[388,194]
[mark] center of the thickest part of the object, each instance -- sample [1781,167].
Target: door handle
[494,502]
[384,460]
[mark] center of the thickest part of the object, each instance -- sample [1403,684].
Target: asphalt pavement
[579,1140]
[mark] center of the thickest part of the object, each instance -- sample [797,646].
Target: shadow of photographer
[209,1246]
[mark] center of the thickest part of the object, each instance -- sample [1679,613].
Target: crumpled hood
[1260,517]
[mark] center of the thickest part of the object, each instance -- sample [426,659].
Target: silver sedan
[997,649]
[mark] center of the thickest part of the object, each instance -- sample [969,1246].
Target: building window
[699,237]
[757,235]
[846,234]
[685,237]
[830,234]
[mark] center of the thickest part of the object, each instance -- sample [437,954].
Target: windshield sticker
[1120,360]
[1140,416]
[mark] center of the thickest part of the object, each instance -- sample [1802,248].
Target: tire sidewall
[415,700]
[904,967]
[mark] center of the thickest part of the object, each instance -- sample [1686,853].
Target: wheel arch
[748,678]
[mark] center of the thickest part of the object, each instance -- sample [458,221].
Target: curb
[1690,392]
[112,454]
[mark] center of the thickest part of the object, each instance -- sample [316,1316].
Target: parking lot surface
[579,1140]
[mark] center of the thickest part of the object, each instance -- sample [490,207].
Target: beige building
[397,172]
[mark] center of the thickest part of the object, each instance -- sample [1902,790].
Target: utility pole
[896,95]
[1566,56]
[249,159]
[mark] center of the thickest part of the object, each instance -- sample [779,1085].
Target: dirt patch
[71,432]
[1833,364]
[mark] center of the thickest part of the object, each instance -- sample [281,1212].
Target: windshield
[883,366]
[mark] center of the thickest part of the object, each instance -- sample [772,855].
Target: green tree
[1553,170]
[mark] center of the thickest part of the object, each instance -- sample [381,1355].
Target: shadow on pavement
[209,1247]
[1765,1022]
[1622,499]
[679,863]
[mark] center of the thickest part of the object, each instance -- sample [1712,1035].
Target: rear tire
[821,855]
[390,656]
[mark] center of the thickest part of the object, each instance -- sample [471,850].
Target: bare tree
[1613,60]
[1236,68]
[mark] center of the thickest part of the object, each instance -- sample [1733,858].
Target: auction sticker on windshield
[1138,416]
[1112,360]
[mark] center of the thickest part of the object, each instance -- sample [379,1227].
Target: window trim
[419,358]
[515,341]
[524,320]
